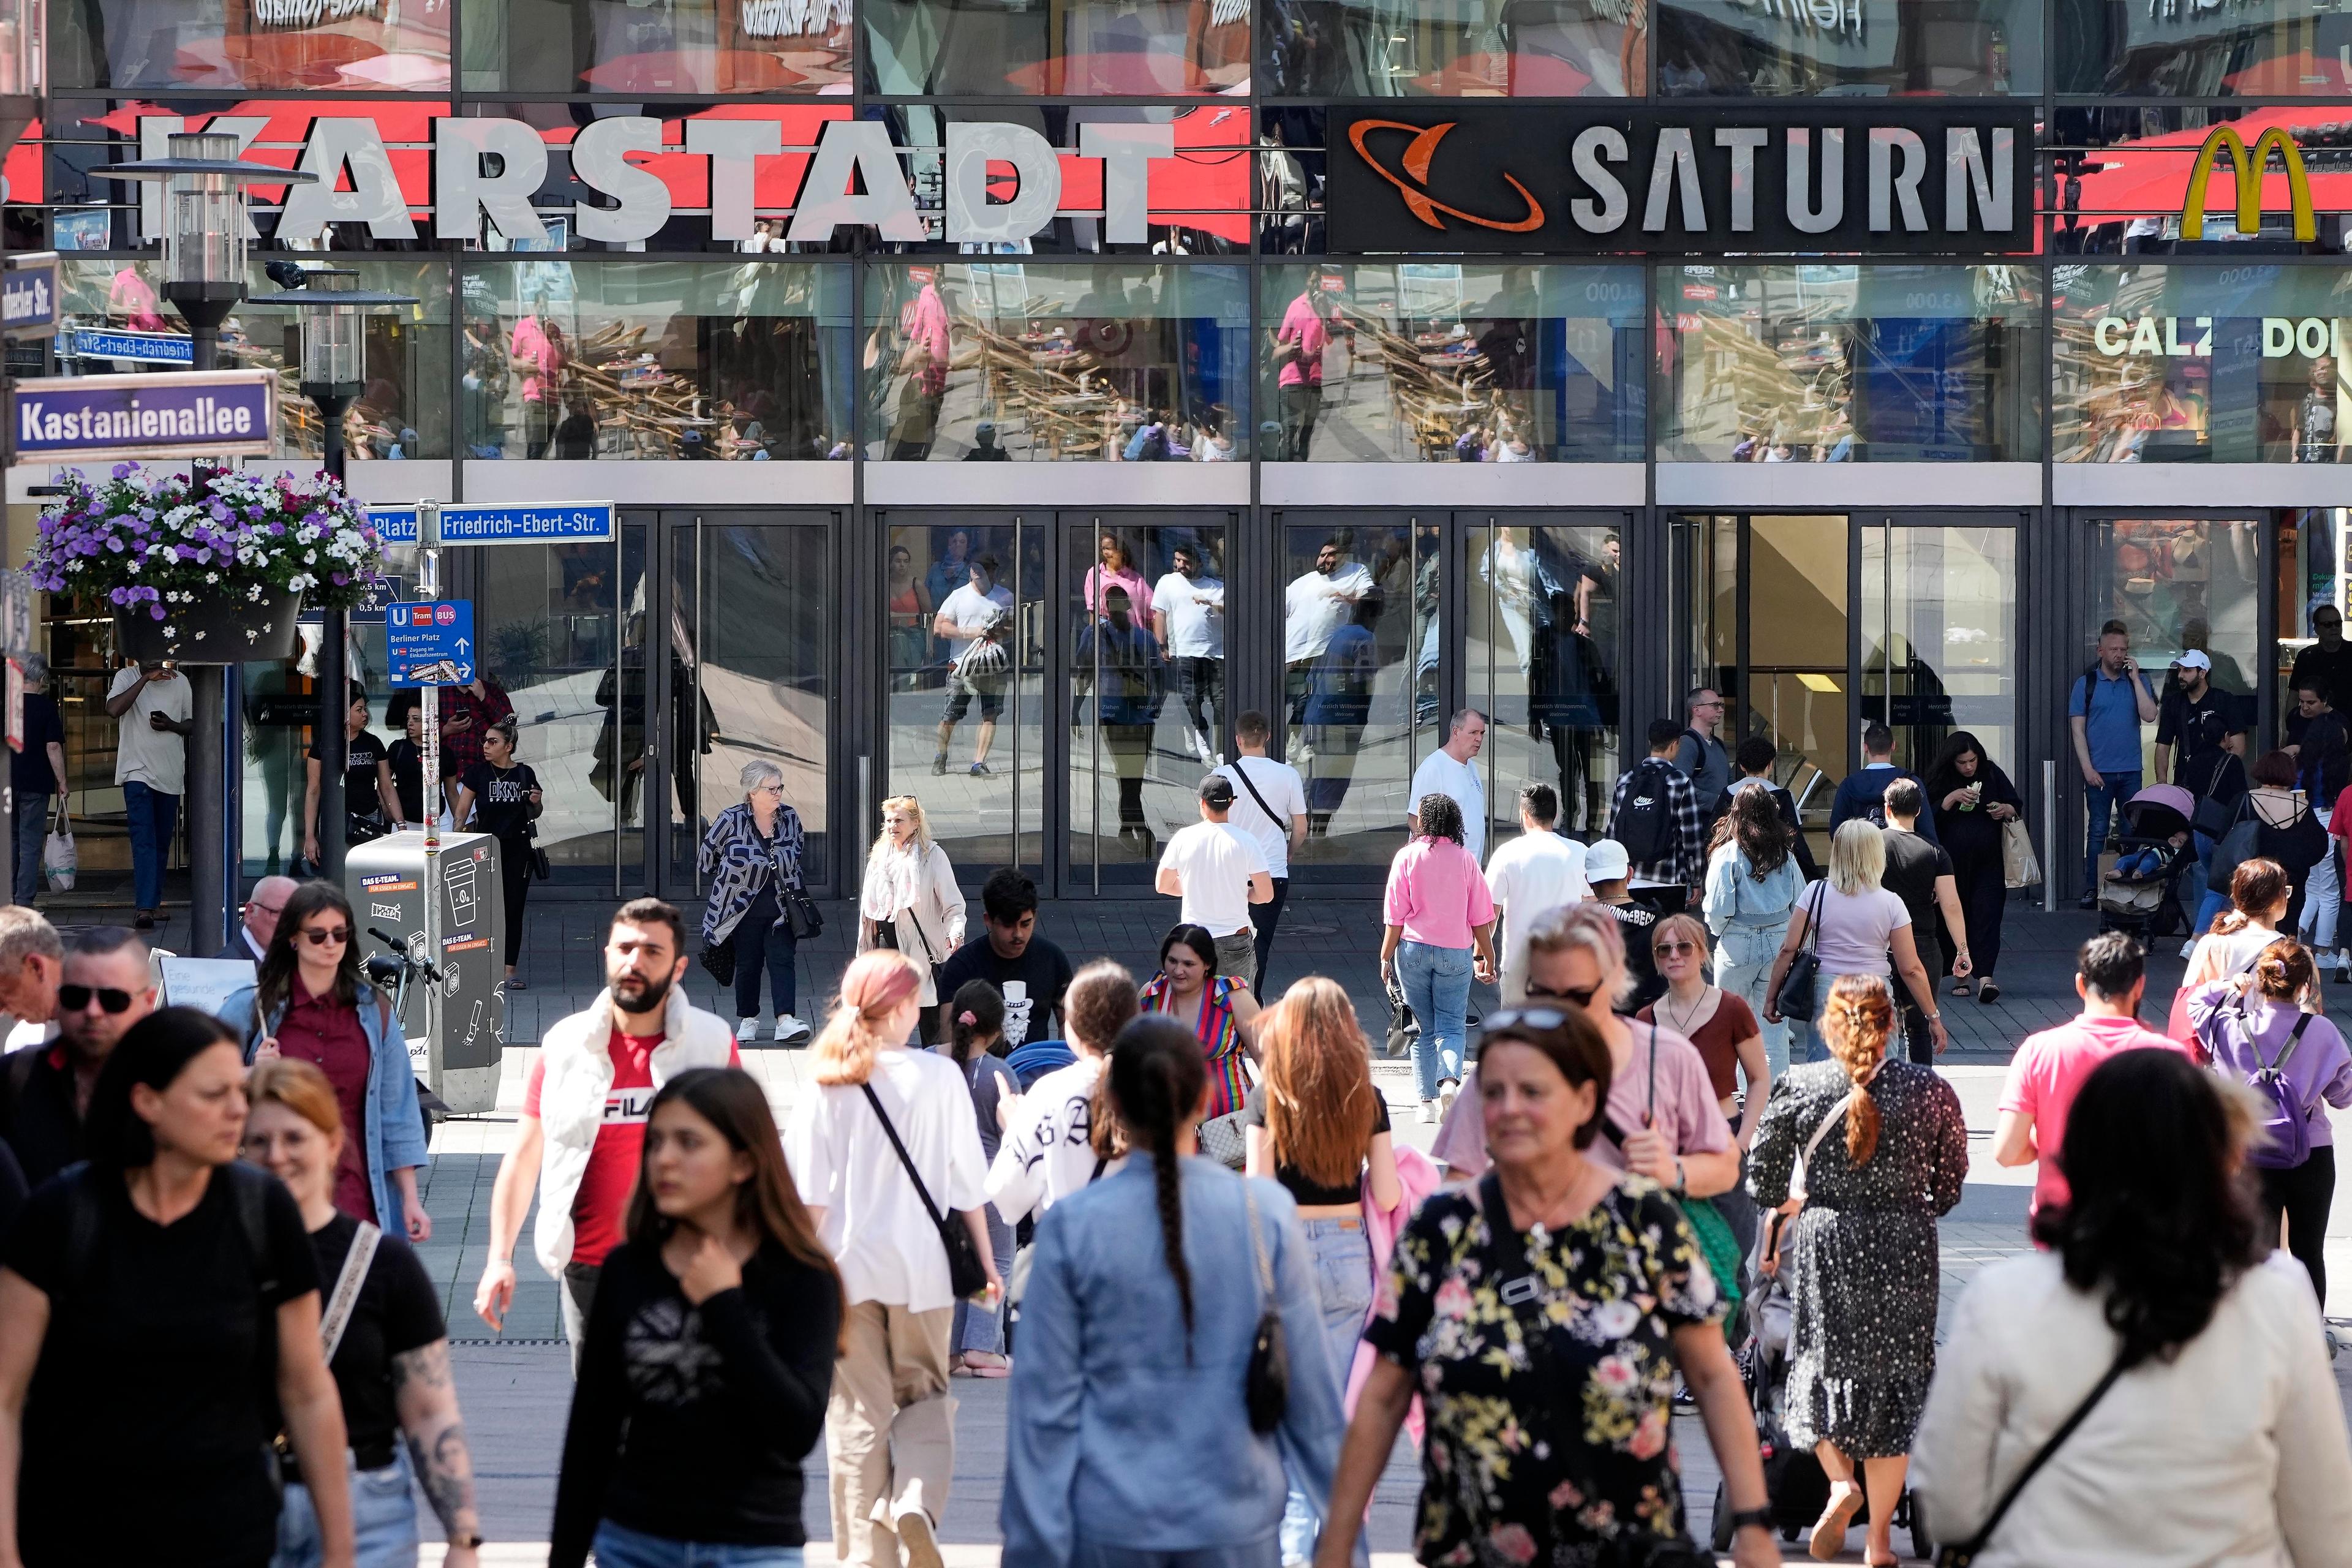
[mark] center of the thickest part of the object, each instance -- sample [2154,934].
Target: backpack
[2286,1140]
[1644,824]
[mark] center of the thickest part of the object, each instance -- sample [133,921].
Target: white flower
[212,576]
[200,636]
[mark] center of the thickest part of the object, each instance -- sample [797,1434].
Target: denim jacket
[394,1134]
[1120,1434]
[1735,897]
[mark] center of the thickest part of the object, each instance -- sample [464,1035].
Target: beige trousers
[889,1430]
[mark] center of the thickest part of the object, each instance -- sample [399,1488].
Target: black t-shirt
[1638,922]
[1913,864]
[2333,670]
[1297,1185]
[29,769]
[397,1312]
[407,759]
[501,798]
[153,1403]
[360,796]
[2195,730]
[1043,970]
[691,1423]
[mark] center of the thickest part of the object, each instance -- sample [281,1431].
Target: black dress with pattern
[1861,1261]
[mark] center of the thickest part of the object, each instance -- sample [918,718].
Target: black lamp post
[205,184]
[334,367]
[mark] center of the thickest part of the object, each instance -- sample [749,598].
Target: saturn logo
[1417,156]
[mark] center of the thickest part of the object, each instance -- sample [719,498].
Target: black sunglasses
[74,999]
[1582,997]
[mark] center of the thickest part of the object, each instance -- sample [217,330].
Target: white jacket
[575,1053]
[934,922]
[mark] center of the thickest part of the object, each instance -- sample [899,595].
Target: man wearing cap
[984,448]
[2195,724]
[1219,871]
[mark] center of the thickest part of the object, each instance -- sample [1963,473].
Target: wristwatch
[1682,1177]
[474,1541]
[1761,1518]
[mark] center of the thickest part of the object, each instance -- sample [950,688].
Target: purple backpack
[2285,1125]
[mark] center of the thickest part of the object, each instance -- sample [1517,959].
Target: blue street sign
[28,300]
[430,642]
[144,348]
[102,418]
[575,522]
[394,524]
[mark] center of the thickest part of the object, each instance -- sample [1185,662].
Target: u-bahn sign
[1577,179]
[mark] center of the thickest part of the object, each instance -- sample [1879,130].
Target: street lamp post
[205,184]
[334,365]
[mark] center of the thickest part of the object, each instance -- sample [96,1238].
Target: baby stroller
[2140,893]
[1794,1482]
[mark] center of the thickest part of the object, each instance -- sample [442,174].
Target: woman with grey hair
[752,858]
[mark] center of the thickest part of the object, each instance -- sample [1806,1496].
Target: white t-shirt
[1214,860]
[1195,608]
[1045,1155]
[156,758]
[1855,930]
[874,1222]
[970,610]
[1529,878]
[1314,606]
[1284,791]
[1439,774]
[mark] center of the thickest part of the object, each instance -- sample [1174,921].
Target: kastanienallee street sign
[1570,179]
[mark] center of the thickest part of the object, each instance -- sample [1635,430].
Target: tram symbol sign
[430,642]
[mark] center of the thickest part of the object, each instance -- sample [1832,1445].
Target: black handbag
[718,958]
[1265,1384]
[1961,1553]
[802,911]
[1798,998]
[967,1275]
[2214,816]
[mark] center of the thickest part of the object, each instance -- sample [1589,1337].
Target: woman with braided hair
[1867,1152]
[1130,1440]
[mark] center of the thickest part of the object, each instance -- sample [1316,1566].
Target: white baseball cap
[2194,658]
[1605,861]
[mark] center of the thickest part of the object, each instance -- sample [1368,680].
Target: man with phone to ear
[150,704]
[2109,703]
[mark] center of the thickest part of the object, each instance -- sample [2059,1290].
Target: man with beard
[45,1089]
[583,1127]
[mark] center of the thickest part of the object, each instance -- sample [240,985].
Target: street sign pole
[428,587]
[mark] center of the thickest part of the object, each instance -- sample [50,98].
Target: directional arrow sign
[430,642]
[571,522]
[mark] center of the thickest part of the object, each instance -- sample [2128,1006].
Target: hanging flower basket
[212,579]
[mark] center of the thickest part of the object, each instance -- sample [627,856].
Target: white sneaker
[789,1027]
[747,1031]
[1445,1093]
[2343,962]
[1429,1113]
[2189,948]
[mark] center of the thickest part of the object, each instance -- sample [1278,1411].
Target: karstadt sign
[492,169]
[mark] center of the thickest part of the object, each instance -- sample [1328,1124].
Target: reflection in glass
[1147,715]
[1541,660]
[1443,362]
[1360,636]
[744,362]
[1937,653]
[751,623]
[271,46]
[1827,363]
[625,47]
[1964,48]
[2123,176]
[2178,584]
[2312,588]
[1082,48]
[989,361]
[967,695]
[2187,364]
[1483,48]
[2179,49]
[402,410]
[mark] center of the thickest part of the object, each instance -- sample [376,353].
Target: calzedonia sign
[1578,180]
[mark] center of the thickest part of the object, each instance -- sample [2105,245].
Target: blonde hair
[1319,1109]
[300,1087]
[875,985]
[1690,928]
[1591,927]
[1855,1021]
[914,808]
[1857,857]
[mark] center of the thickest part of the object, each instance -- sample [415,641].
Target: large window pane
[2180,363]
[2123,176]
[1443,362]
[259,47]
[1541,660]
[1474,49]
[1966,48]
[2178,584]
[1936,648]
[1825,364]
[1080,49]
[631,46]
[1047,364]
[2179,49]
[747,362]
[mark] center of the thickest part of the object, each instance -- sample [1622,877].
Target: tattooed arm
[426,1401]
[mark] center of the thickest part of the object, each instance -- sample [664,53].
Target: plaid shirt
[461,749]
[1686,866]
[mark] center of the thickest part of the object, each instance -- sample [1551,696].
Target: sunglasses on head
[320,936]
[75,998]
[1673,949]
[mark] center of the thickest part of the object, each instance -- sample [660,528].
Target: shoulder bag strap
[1813,924]
[905,1159]
[1964,1553]
[1242,774]
[346,1294]
[1799,1186]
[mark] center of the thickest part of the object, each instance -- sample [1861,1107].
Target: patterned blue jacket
[738,863]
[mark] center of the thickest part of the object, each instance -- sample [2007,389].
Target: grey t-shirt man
[1708,766]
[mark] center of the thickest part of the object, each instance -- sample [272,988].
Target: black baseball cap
[1217,790]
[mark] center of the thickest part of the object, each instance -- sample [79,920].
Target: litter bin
[456,1028]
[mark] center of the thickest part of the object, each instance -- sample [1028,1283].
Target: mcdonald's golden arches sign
[2246,166]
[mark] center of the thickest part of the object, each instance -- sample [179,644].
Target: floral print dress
[1543,1448]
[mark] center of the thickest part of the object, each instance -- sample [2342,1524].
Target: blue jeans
[1743,966]
[978,1328]
[1343,1284]
[1436,981]
[150,814]
[763,940]
[618,1547]
[383,1519]
[2104,803]
[1255,1554]
[32,832]
[2216,899]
